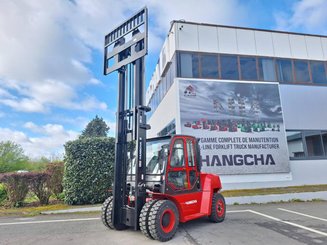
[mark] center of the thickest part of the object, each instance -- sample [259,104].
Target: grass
[31,211]
[276,190]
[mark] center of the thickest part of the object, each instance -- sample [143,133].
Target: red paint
[167,220]
[220,208]
[191,202]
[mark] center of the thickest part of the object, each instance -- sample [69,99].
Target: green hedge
[3,193]
[88,169]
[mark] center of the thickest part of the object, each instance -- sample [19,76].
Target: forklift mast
[124,51]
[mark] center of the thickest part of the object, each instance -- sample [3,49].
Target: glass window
[209,66]
[314,144]
[248,68]
[164,86]
[318,72]
[190,153]
[229,68]
[192,177]
[177,156]
[160,91]
[324,141]
[189,65]
[284,68]
[295,144]
[301,69]
[178,179]
[267,70]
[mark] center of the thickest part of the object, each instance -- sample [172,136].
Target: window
[189,65]
[170,129]
[209,66]
[295,144]
[248,68]
[236,67]
[314,144]
[284,68]
[177,157]
[324,141]
[190,153]
[229,67]
[178,179]
[266,69]
[307,144]
[193,177]
[177,176]
[160,91]
[318,72]
[301,69]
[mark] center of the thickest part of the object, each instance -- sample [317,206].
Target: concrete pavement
[283,223]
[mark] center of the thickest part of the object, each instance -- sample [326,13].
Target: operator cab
[172,164]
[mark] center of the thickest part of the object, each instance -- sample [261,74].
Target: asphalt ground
[284,223]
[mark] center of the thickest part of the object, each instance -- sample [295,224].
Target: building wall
[165,113]
[303,106]
[229,40]
[306,172]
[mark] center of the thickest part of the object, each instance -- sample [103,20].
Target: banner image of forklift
[239,125]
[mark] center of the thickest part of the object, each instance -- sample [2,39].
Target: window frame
[305,148]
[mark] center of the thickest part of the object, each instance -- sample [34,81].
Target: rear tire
[144,218]
[163,220]
[107,221]
[218,208]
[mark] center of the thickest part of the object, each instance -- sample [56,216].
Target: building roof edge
[243,28]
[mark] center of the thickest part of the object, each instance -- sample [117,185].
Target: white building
[255,99]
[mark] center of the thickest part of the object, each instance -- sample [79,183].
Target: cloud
[47,47]
[49,143]
[306,15]
[44,59]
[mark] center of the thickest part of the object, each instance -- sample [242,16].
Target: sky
[51,57]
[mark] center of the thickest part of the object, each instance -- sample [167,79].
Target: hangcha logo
[189,91]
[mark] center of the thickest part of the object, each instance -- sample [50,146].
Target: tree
[12,157]
[96,128]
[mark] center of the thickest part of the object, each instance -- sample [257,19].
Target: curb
[73,210]
[260,199]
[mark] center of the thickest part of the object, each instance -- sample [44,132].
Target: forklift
[158,182]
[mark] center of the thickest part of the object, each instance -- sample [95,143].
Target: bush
[88,169]
[39,184]
[16,186]
[3,193]
[56,172]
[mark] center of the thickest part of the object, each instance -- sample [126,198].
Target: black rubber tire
[117,227]
[218,208]
[104,214]
[158,226]
[144,218]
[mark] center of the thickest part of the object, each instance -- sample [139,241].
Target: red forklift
[158,182]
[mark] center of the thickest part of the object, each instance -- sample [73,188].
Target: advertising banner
[239,125]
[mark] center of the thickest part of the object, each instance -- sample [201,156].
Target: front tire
[144,218]
[218,208]
[107,221]
[106,215]
[163,220]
